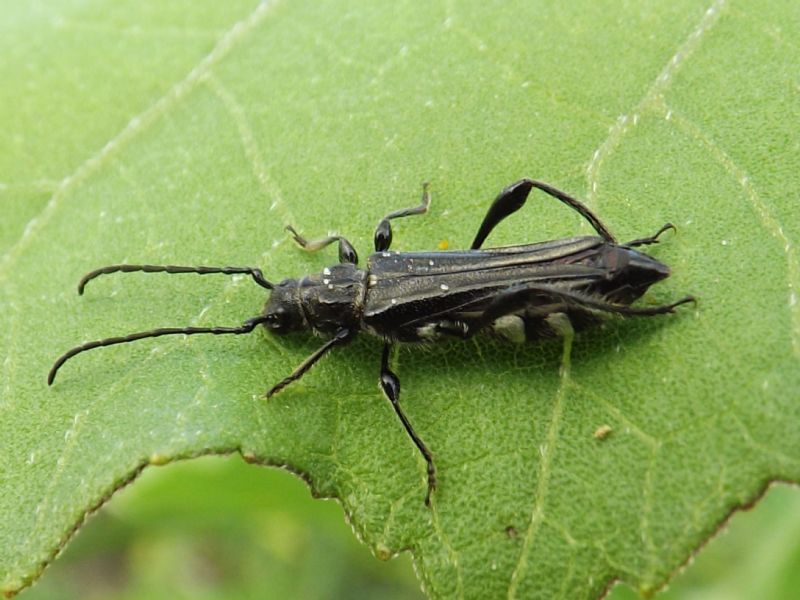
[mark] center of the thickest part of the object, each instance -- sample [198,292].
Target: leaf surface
[191,134]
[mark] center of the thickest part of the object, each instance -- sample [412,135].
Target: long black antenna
[256,274]
[245,327]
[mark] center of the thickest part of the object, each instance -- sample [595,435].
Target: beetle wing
[427,287]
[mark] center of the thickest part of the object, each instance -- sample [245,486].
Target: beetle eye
[279,320]
[274,321]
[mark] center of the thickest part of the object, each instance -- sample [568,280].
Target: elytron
[513,292]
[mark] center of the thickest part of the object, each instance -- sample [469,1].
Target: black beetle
[512,291]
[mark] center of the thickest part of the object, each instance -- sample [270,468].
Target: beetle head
[283,311]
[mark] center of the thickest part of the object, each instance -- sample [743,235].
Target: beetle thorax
[324,302]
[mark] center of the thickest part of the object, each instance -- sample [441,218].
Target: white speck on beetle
[394,300]
[326,281]
[330,286]
[444,287]
[326,271]
[430,262]
[373,280]
[386,254]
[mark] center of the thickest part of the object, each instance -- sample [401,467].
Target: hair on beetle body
[518,293]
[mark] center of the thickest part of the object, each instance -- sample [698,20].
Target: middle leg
[347,254]
[390,385]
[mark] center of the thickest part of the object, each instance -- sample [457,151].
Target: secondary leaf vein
[135,126]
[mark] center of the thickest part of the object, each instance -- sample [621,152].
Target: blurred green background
[218,528]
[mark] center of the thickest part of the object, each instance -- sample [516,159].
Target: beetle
[513,292]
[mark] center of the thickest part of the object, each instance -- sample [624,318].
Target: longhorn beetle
[511,291]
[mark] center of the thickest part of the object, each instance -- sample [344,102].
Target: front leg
[390,385]
[347,254]
[383,234]
[342,337]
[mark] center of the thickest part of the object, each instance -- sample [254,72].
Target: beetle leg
[455,328]
[519,297]
[513,197]
[341,337]
[347,254]
[390,385]
[383,233]
[653,239]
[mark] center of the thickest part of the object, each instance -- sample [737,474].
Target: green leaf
[189,133]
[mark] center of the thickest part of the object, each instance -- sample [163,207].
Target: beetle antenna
[256,274]
[245,327]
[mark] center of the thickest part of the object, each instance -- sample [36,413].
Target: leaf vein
[537,511]
[770,224]
[135,126]
[250,145]
[651,97]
